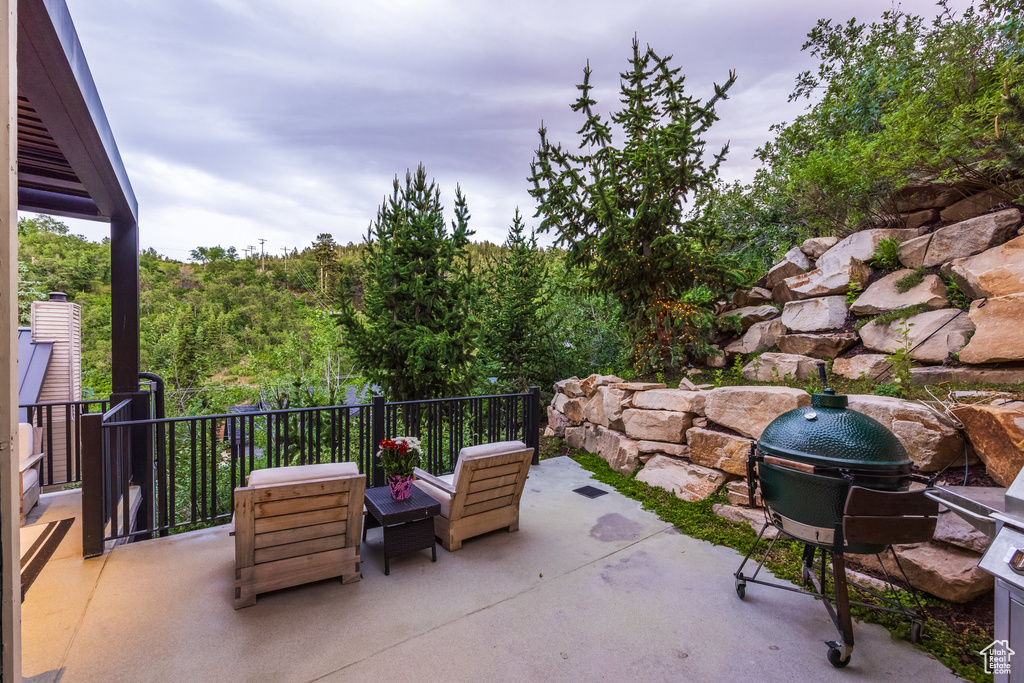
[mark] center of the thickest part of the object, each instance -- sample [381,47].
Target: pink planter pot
[401,487]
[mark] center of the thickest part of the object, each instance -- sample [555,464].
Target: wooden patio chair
[294,525]
[482,494]
[30,457]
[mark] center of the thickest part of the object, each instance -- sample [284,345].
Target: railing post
[92,485]
[377,420]
[533,423]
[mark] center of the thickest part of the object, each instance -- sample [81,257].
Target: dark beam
[56,204]
[124,304]
[55,77]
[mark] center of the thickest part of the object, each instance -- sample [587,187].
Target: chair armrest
[434,481]
[30,461]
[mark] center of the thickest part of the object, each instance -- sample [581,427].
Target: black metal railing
[107,477]
[62,437]
[198,461]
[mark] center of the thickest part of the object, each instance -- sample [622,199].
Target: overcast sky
[281,119]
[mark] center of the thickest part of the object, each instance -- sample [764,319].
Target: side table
[408,524]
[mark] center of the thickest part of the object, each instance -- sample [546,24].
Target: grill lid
[828,434]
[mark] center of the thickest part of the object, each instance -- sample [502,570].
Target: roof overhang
[68,163]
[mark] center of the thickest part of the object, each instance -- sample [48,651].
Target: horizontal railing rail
[198,461]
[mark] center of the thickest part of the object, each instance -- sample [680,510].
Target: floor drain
[589,491]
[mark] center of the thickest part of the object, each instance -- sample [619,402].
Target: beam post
[10,472]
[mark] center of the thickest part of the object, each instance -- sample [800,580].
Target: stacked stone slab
[695,443]
[979,245]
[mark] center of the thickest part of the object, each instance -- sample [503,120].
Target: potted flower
[398,457]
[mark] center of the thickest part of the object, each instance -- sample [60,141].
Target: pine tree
[326,253]
[514,332]
[619,210]
[415,336]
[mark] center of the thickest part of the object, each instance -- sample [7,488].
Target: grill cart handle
[790,464]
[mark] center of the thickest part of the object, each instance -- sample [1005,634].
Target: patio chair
[30,456]
[482,494]
[294,525]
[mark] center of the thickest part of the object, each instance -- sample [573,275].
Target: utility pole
[285,250]
[261,254]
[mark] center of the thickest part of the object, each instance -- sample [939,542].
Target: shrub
[887,254]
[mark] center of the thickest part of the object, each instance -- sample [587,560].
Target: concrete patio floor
[585,590]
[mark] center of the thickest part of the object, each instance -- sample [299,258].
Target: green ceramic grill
[812,455]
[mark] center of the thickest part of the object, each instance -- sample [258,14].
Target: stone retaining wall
[693,442]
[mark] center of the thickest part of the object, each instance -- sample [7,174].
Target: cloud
[281,119]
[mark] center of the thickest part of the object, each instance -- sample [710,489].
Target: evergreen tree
[326,254]
[514,332]
[415,336]
[619,210]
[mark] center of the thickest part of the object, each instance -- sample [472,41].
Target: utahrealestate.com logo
[997,657]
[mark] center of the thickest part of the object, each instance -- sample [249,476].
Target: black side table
[408,524]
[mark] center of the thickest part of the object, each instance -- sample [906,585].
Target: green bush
[887,254]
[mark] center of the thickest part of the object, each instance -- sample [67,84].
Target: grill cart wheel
[741,589]
[915,632]
[835,658]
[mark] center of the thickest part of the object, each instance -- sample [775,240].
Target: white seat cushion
[437,494]
[485,450]
[29,478]
[300,473]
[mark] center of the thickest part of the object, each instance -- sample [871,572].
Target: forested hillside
[222,331]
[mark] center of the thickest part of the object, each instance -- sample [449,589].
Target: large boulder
[678,450]
[998,323]
[737,492]
[748,410]
[726,452]
[861,246]
[760,336]
[572,388]
[916,219]
[865,366]
[745,515]
[932,440]
[752,314]
[945,330]
[826,345]
[883,296]
[573,410]
[814,315]
[755,296]
[657,425]
[678,400]
[927,195]
[621,452]
[997,435]
[953,530]
[772,367]
[946,572]
[994,272]
[575,437]
[979,203]
[559,386]
[816,246]
[557,422]
[793,263]
[821,281]
[688,481]
[960,239]
[966,374]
